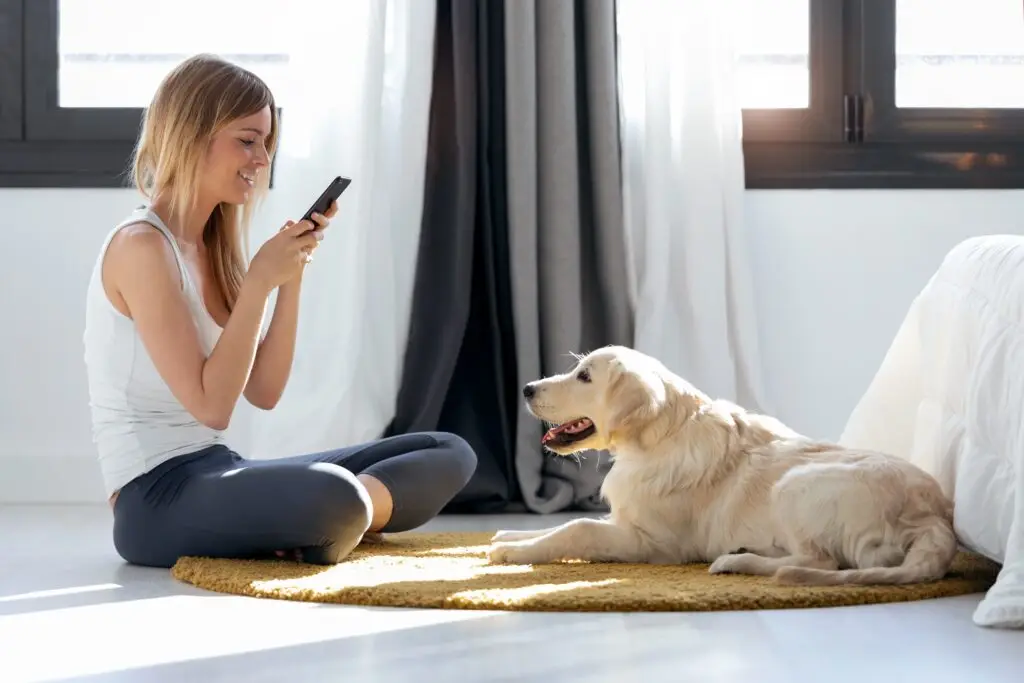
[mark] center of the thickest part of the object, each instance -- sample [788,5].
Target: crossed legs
[314,507]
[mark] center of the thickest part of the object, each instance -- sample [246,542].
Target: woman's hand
[284,255]
[320,223]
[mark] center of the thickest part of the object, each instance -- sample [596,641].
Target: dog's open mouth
[569,432]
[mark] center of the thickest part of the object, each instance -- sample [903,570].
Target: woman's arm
[140,265]
[274,356]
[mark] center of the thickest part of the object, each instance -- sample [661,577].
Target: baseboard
[50,479]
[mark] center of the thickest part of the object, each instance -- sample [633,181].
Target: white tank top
[137,423]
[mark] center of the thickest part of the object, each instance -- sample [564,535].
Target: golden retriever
[702,480]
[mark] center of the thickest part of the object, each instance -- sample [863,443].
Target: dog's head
[612,397]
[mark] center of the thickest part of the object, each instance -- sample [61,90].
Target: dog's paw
[498,553]
[509,553]
[725,564]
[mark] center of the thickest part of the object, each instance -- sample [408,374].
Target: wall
[834,272]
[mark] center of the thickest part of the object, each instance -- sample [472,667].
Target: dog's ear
[634,401]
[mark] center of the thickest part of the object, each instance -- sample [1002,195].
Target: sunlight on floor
[57,592]
[116,636]
[513,595]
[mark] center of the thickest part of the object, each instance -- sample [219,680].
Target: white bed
[949,396]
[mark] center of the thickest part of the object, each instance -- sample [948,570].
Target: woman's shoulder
[140,236]
[138,249]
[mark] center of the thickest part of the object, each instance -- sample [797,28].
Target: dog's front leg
[520,534]
[592,540]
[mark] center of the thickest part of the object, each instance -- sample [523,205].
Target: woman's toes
[373,538]
[295,554]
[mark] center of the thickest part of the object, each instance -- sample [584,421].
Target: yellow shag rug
[451,570]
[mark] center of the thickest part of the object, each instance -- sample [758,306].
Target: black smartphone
[329,195]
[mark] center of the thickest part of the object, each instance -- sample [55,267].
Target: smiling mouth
[569,432]
[250,180]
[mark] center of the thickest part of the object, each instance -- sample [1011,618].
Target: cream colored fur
[702,480]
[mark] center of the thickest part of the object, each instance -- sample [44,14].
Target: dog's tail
[927,559]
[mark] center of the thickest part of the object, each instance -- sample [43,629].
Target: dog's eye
[583,375]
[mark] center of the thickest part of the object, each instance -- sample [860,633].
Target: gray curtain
[566,235]
[522,257]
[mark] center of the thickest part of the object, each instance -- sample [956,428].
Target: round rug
[451,571]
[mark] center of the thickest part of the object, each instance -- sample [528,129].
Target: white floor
[70,609]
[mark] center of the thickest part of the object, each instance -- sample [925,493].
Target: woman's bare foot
[373,538]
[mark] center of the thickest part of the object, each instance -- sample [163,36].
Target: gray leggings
[215,503]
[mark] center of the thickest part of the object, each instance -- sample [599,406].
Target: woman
[173,340]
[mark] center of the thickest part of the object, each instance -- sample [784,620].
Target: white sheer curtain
[356,104]
[683,183]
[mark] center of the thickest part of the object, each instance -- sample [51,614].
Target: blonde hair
[192,104]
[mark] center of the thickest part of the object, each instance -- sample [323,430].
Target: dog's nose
[529,391]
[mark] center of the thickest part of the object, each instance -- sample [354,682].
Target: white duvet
[949,396]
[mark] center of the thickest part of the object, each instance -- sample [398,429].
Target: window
[76,74]
[836,93]
[773,64]
[883,93]
[10,72]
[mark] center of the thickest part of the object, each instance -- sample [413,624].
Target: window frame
[874,145]
[44,145]
[45,119]
[909,124]
[11,32]
[850,136]
[820,121]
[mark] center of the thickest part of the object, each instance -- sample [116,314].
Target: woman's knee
[342,507]
[456,457]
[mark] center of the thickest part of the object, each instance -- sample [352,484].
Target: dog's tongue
[570,427]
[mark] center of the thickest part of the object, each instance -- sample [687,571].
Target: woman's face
[235,159]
